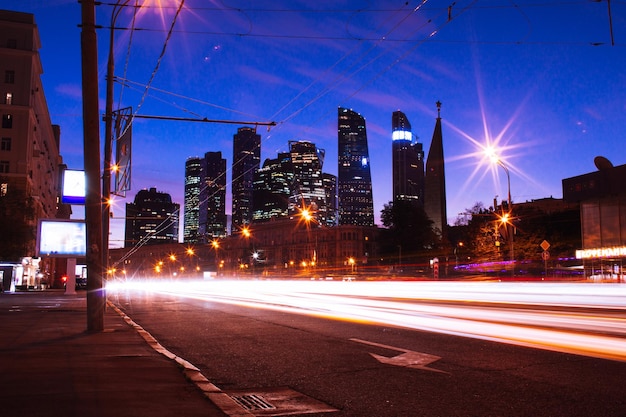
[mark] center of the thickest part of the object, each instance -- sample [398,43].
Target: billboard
[74,187]
[62,238]
[123,132]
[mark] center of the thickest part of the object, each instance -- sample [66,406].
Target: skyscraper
[212,219]
[435,181]
[407,161]
[330,188]
[354,188]
[246,161]
[272,188]
[308,189]
[191,220]
[151,219]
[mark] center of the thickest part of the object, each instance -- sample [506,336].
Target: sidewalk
[51,366]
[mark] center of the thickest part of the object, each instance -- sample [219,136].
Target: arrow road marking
[407,359]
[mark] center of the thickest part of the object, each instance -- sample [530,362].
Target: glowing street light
[506,218]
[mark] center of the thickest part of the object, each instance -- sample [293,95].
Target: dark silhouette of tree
[18,229]
[408,232]
[483,240]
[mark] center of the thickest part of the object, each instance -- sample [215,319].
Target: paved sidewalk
[51,366]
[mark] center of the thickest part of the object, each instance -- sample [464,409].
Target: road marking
[407,359]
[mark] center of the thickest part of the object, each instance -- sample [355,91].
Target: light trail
[579,318]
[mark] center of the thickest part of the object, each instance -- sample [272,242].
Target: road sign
[545,245]
[545,255]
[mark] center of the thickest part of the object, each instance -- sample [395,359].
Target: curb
[191,372]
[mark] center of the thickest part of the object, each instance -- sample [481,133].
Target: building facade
[191,219]
[272,188]
[246,161]
[435,180]
[291,248]
[151,219]
[212,197]
[354,181]
[407,161]
[30,162]
[602,198]
[308,191]
[330,188]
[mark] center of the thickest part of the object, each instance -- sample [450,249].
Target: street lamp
[108,133]
[306,215]
[216,245]
[506,218]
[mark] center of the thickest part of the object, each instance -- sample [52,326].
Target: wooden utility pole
[91,145]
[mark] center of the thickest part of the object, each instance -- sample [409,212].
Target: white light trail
[579,318]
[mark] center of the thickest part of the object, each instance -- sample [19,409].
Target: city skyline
[537,81]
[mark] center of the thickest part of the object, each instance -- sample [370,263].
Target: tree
[409,231]
[17,225]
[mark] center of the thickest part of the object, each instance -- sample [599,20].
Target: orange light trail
[578,318]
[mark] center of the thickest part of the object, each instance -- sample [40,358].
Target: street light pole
[108,135]
[509,218]
[91,147]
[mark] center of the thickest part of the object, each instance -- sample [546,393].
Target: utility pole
[91,146]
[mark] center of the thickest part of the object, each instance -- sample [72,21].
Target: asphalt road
[271,356]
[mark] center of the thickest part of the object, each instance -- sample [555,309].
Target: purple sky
[539,80]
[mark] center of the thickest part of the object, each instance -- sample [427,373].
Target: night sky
[543,82]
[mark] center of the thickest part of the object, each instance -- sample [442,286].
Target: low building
[282,248]
[602,198]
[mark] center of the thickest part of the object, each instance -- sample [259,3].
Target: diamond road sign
[545,245]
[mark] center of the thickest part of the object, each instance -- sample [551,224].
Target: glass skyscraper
[212,219]
[246,161]
[191,220]
[354,183]
[308,190]
[272,188]
[407,161]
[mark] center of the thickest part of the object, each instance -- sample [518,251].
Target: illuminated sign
[614,252]
[62,238]
[401,135]
[73,187]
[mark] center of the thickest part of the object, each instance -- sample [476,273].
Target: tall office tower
[330,188]
[212,220]
[407,161]
[151,219]
[308,188]
[246,161]
[30,163]
[435,181]
[272,188]
[191,219]
[354,185]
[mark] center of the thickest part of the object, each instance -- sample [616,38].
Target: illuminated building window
[7,121]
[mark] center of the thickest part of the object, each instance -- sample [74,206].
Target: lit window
[7,121]
[9,98]
[4,188]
